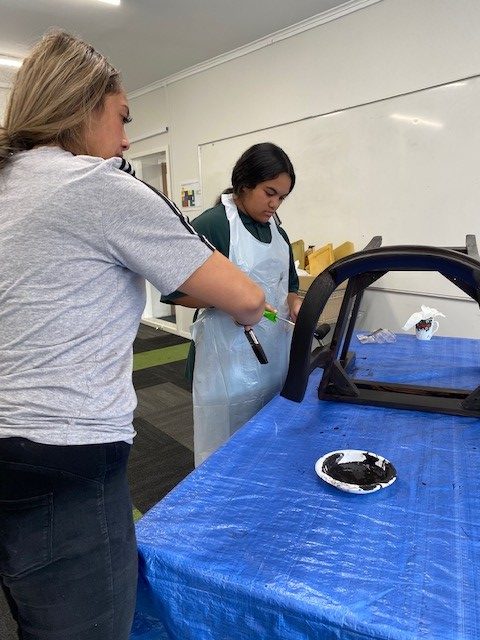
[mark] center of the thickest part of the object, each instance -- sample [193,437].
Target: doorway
[153,168]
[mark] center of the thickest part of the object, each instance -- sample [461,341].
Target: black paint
[364,473]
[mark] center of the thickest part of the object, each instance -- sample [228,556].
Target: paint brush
[256,346]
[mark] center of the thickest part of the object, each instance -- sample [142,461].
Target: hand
[246,327]
[268,307]
[294,303]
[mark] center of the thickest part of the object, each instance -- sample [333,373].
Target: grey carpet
[157,463]
[7,625]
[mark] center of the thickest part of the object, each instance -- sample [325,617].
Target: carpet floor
[162,453]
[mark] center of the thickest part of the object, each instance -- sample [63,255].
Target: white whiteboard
[406,168]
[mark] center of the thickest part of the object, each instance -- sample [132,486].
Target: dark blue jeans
[68,555]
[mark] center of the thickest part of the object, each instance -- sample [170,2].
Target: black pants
[68,555]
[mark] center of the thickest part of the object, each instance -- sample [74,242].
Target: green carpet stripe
[160,356]
[136,514]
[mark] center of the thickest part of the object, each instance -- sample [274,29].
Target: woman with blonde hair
[78,235]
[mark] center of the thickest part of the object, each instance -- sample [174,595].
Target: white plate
[355,471]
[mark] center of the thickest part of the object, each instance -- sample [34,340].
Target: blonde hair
[54,93]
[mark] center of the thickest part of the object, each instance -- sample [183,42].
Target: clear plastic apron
[229,384]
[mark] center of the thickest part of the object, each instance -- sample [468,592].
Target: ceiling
[149,40]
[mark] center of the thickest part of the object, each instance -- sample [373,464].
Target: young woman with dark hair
[229,384]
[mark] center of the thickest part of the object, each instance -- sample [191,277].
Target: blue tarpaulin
[254,546]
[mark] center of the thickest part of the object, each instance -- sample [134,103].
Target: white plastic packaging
[379,336]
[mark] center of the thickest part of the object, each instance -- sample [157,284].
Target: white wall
[3,101]
[385,49]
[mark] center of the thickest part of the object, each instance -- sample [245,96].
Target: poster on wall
[191,195]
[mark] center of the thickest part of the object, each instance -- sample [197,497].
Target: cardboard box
[298,251]
[305,282]
[332,308]
[319,259]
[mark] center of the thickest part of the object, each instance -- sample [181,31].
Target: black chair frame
[460,265]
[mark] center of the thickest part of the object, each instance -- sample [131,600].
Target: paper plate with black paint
[356,471]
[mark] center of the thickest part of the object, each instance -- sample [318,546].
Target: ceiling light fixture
[115,2]
[417,121]
[6,61]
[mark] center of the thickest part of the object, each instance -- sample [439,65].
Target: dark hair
[261,162]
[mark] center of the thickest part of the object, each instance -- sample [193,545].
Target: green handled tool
[273,317]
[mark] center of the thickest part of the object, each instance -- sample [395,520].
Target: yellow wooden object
[320,259]
[298,250]
[343,250]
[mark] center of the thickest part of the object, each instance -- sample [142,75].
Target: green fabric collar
[250,222]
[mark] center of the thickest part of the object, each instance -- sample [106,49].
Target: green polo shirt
[214,225]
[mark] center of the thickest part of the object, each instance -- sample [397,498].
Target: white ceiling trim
[288,32]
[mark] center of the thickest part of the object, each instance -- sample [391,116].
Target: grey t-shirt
[77,238]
